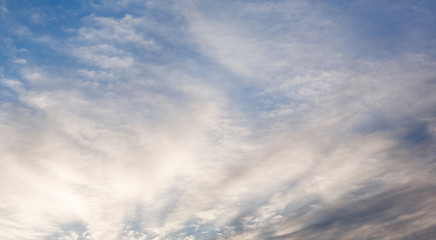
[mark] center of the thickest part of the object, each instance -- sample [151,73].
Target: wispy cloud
[3,7]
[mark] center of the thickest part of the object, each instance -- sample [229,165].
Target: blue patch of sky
[416,132]
[384,29]
[48,16]
[50,19]
[373,122]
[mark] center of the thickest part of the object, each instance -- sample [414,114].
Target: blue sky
[188,120]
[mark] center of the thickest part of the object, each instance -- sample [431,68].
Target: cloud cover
[217,120]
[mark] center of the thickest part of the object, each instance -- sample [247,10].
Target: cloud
[243,37]
[376,216]
[253,120]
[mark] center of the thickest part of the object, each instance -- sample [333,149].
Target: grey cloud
[395,213]
[426,233]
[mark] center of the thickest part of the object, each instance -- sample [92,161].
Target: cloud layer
[217,120]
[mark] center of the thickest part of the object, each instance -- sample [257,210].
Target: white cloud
[266,42]
[20,61]
[121,30]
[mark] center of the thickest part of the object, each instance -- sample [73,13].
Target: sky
[242,119]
